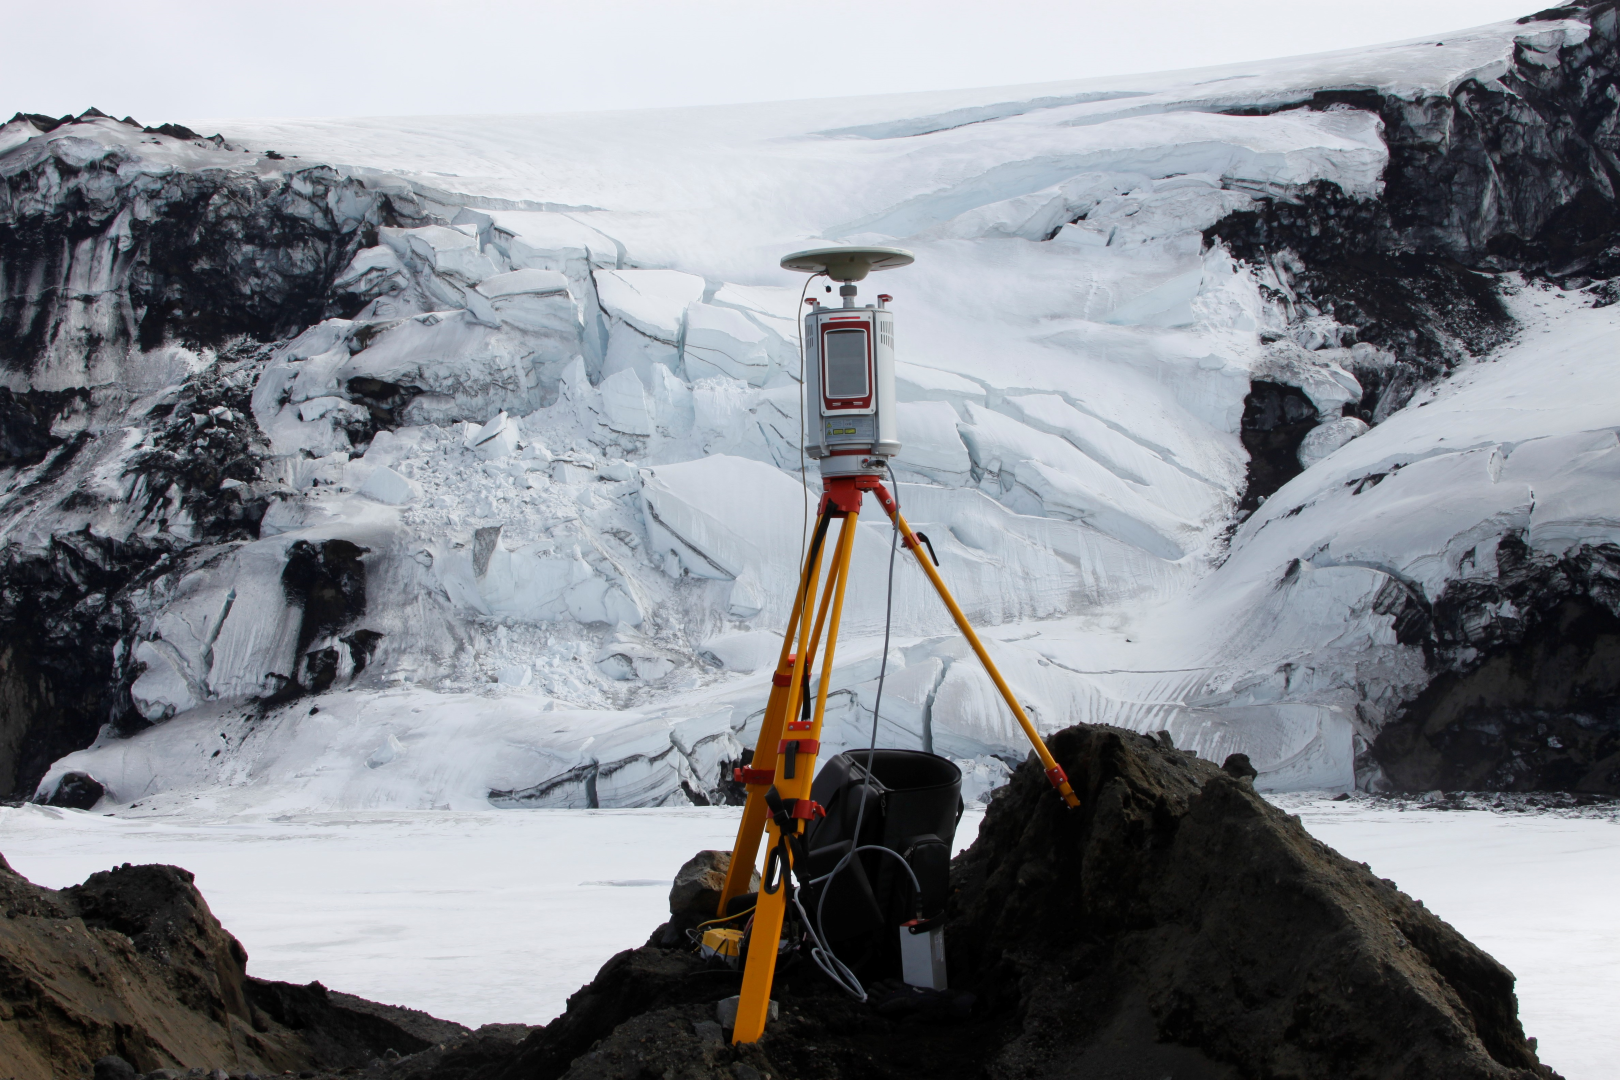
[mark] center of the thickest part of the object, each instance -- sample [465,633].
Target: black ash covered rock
[75,791]
[1177,924]
[131,973]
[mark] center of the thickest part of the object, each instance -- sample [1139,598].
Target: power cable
[804,478]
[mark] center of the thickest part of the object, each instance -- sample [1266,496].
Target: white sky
[161,60]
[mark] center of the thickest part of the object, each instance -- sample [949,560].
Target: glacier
[450,461]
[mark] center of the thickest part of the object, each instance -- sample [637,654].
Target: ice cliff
[449,460]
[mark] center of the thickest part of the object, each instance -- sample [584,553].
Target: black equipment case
[913,803]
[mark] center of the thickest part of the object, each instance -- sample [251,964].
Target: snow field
[490,916]
[477,917]
[480,917]
[1533,890]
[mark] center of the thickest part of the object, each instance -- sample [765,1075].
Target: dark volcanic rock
[1240,766]
[1526,687]
[45,123]
[226,253]
[132,965]
[1179,916]
[630,985]
[113,1067]
[63,611]
[345,1030]
[205,451]
[328,583]
[199,255]
[26,420]
[1176,925]
[1519,173]
[1276,419]
[1333,255]
[698,884]
[76,791]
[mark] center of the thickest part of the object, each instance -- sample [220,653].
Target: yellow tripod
[790,736]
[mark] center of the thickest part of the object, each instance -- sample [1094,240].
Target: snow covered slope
[441,461]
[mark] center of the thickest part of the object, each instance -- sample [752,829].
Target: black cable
[883,665]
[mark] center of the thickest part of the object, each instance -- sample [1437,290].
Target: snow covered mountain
[444,461]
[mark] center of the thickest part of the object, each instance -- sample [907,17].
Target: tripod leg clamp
[785,678]
[921,538]
[1060,780]
[787,813]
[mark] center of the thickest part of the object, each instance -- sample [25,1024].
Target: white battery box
[922,956]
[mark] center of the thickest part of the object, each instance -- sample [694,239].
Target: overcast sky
[161,60]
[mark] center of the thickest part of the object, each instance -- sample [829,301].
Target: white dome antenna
[847,264]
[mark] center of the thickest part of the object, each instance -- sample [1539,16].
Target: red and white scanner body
[849,388]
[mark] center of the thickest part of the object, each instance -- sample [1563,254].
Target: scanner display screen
[846,364]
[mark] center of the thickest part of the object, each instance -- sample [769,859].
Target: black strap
[776,871]
[788,840]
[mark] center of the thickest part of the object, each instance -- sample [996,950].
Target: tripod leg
[787,695]
[1054,771]
[759,774]
[846,550]
[754,1004]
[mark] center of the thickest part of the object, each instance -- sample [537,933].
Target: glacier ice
[387,486]
[560,408]
[1328,436]
[723,342]
[647,312]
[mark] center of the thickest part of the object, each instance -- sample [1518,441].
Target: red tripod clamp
[804,809]
[842,494]
[785,678]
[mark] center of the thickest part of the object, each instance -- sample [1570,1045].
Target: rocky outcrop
[1516,173]
[132,259]
[1513,173]
[119,241]
[76,791]
[1525,693]
[132,964]
[1176,924]
[1179,916]
[1276,420]
[63,611]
